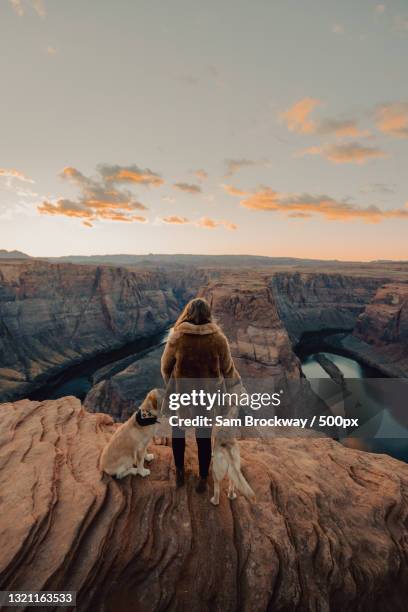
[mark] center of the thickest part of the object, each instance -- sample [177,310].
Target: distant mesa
[13,255]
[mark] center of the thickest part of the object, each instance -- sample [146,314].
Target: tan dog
[226,461]
[128,444]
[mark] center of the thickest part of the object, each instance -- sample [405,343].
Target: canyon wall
[380,337]
[328,529]
[55,315]
[311,302]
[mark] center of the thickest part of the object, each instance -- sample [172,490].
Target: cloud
[204,222]
[188,187]
[297,117]
[342,128]
[338,28]
[381,188]
[208,223]
[98,200]
[298,120]
[380,9]
[201,174]
[350,153]
[266,199]
[392,119]
[175,220]
[37,5]
[235,165]
[234,191]
[130,174]
[14,174]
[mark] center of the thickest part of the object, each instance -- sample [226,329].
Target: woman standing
[197,349]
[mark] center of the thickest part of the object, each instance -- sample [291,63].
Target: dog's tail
[238,478]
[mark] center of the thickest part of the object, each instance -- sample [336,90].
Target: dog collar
[144,422]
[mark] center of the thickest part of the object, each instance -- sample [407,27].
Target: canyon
[54,315]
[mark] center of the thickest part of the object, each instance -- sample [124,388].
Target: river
[381,431]
[78,379]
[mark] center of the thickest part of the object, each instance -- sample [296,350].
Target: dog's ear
[159,397]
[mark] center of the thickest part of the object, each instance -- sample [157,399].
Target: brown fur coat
[198,352]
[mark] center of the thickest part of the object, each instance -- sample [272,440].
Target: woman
[197,349]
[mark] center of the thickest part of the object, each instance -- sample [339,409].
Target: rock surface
[245,307]
[310,302]
[383,325]
[328,530]
[55,315]
[119,395]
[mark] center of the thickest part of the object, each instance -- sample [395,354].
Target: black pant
[203,439]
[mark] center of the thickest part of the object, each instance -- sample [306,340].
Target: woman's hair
[197,311]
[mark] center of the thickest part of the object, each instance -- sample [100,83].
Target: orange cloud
[204,222]
[188,188]
[297,117]
[331,209]
[298,120]
[92,212]
[234,191]
[342,128]
[201,174]
[37,5]
[235,165]
[350,153]
[98,200]
[15,174]
[208,223]
[130,174]
[392,119]
[175,219]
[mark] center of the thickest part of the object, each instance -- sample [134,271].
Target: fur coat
[202,354]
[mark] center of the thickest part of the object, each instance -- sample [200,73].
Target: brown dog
[128,445]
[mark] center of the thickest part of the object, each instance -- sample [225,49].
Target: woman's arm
[168,360]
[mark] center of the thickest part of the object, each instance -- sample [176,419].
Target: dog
[226,460]
[128,444]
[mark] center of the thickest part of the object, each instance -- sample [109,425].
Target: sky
[269,127]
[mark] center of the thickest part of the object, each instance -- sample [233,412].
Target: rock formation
[120,394]
[245,307]
[384,326]
[55,315]
[328,530]
[310,302]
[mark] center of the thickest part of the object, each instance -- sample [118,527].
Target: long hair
[197,312]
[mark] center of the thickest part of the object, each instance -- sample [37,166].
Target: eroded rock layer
[328,530]
[310,302]
[54,315]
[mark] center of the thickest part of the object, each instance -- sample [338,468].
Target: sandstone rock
[55,315]
[245,307]
[310,302]
[383,325]
[119,395]
[328,531]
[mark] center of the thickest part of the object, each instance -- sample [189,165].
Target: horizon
[181,254]
[140,124]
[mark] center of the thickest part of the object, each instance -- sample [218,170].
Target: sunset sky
[271,127]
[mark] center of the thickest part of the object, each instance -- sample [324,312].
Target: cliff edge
[328,531]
